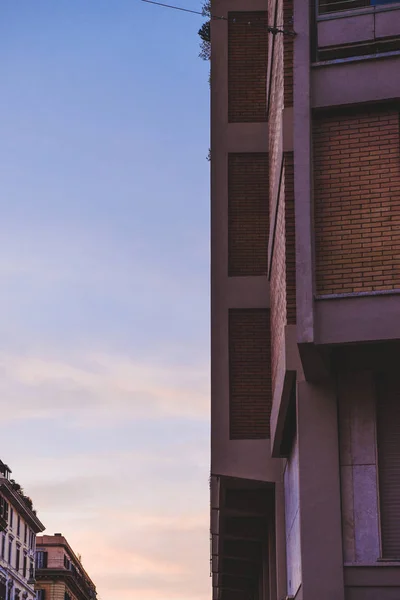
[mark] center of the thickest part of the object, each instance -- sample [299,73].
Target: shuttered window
[250,395]
[388,422]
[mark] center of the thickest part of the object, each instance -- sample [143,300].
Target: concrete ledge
[247,137]
[376,575]
[359,319]
[246,459]
[246,292]
[222,7]
[355,82]
[350,29]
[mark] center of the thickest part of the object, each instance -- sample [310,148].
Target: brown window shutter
[388,421]
[250,396]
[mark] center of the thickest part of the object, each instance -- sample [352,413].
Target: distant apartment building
[59,572]
[18,528]
[305,299]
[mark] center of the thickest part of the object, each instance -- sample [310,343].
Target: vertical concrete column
[319,485]
[302,172]
[280,541]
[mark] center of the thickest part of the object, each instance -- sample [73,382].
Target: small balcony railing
[334,6]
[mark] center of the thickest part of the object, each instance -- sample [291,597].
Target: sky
[104,335]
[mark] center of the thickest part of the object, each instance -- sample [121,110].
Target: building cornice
[18,503]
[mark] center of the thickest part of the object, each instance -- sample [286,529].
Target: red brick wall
[249,373]
[290,239]
[247,66]
[288,52]
[278,287]
[248,214]
[357,202]
[282,274]
[283,266]
[276,97]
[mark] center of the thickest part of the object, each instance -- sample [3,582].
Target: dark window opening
[388,433]
[41,559]
[290,428]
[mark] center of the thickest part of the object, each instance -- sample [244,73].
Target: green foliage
[205,32]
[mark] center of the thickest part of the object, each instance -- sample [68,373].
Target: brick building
[59,572]
[305,305]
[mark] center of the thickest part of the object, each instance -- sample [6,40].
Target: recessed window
[18,526]
[4,510]
[10,541]
[333,6]
[11,518]
[388,432]
[17,557]
[41,559]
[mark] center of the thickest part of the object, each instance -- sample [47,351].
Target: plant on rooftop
[205,32]
[20,491]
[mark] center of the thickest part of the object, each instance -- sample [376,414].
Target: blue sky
[104,120]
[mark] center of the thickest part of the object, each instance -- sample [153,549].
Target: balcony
[83,588]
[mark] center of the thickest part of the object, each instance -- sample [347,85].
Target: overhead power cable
[194,12]
[273,30]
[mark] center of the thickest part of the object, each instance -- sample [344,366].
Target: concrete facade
[305,306]
[59,571]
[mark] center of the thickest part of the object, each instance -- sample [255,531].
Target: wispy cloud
[99,386]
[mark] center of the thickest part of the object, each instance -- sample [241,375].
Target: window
[3,546]
[41,559]
[3,509]
[11,518]
[67,596]
[67,562]
[40,594]
[31,540]
[17,557]
[25,533]
[388,434]
[332,6]
[24,567]
[10,541]
[18,526]
[31,570]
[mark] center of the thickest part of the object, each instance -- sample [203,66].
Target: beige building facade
[59,571]
[19,526]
